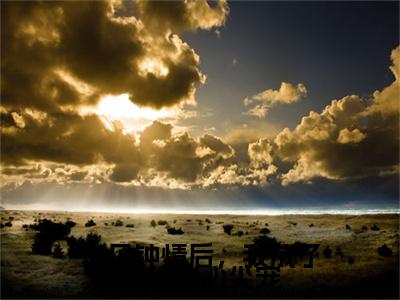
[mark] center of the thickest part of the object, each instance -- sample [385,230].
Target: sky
[200,105]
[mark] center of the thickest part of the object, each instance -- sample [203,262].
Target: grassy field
[27,275]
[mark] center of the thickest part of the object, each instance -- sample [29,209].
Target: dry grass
[23,273]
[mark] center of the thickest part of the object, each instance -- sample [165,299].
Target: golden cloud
[287,93]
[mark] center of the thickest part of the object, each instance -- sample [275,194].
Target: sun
[133,117]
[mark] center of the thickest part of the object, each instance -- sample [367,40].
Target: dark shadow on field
[124,273]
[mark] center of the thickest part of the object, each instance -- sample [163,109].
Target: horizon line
[252,212]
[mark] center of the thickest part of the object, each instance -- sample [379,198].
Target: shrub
[264,247]
[208,220]
[339,252]
[172,230]
[240,233]
[25,226]
[292,223]
[227,228]
[153,223]
[90,223]
[265,231]
[162,222]
[375,227]
[208,227]
[80,248]
[8,224]
[49,232]
[42,245]
[118,223]
[364,228]
[52,230]
[58,252]
[327,252]
[1,225]
[70,224]
[348,227]
[76,247]
[384,251]
[130,225]
[311,225]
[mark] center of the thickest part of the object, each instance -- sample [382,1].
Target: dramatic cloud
[58,58]
[57,55]
[287,93]
[352,137]
[179,16]
[63,64]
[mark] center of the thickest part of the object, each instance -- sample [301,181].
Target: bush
[264,247]
[130,225]
[350,260]
[80,248]
[364,228]
[292,223]
[162,222]
[384,251]
[90,223]
[153,223]
[311,225]
[58,252]
[52,230]
[339,252]
[208,220]
[70,224]
[49,232]
[8,224]
[227,228]
[327,252]
[42,245]
[348,227]
[118,223]
[240,233]
[265,231]
[172,230]
[208,227]
[375,227]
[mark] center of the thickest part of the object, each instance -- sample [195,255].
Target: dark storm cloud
[59,57]
[65,138]
[51,50]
